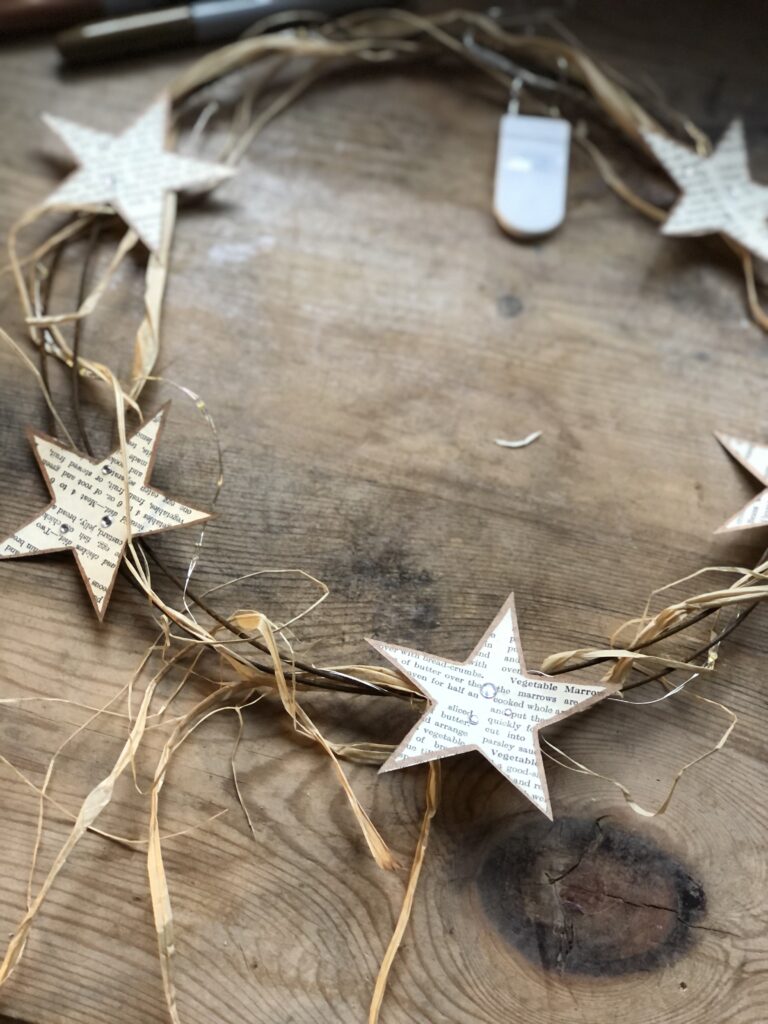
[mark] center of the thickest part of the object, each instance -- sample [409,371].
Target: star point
[89,514]
[131,171]
[489,703]
[718,192]
[754,458]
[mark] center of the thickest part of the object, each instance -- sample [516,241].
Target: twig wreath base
[242,656]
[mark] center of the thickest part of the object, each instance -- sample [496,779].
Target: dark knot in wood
[587,897]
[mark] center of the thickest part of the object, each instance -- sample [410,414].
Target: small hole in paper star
[107,520]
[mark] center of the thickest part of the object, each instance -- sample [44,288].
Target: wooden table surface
[362,331]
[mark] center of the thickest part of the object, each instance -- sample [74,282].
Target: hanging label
[531,174]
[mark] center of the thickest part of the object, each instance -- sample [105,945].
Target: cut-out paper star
[719,195]
[130,172]
[489,703]
[87,515]
[753,457]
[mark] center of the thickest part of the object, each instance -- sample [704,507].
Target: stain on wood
[588,897]
[509,305]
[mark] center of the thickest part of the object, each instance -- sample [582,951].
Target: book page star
[88,513]
[130,172]
[719,195]
[488,703]
[753,457]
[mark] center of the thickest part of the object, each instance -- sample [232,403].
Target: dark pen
[199,22]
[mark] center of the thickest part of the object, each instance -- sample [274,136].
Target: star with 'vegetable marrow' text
[753,457]
[88,514]
[131,172]
[489,703]
[719,195]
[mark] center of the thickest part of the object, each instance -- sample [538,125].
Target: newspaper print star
[489,703]
[131,172]
[89,511]
[719,195]
[753,457]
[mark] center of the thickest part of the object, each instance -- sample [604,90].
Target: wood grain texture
[386,333]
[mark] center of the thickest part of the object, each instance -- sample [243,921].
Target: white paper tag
[531,174]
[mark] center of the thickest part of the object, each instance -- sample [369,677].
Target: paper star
[88,513]
[718,193]
[488,703]
[131,171]
[753,457]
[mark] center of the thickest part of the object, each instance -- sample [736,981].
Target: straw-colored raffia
[430,809]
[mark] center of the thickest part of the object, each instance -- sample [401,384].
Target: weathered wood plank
[385,332]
